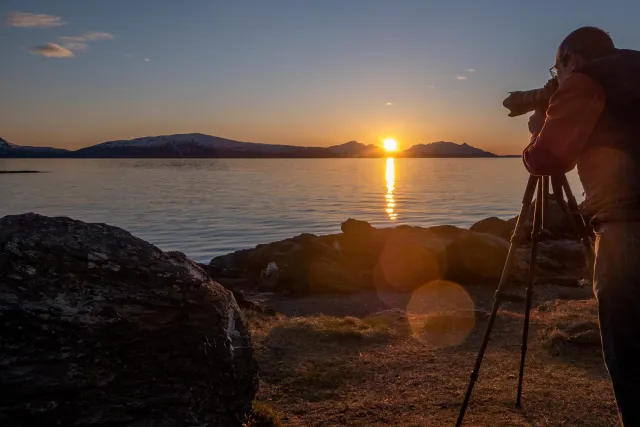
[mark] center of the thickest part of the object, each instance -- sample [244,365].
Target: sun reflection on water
[391,179]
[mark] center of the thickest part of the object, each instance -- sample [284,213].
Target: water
[208,207]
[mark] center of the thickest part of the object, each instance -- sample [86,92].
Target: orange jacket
[572,115]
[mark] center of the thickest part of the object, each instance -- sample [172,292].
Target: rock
[558,224]
[409,258]
[558,261]
[396,258]
[305,264]
[132,336]
[353,227]
[476,258]
[495,226]
[243,302]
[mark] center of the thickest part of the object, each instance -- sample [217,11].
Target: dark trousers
[617,288]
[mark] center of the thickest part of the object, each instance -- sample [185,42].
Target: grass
[412,370]
[263,415]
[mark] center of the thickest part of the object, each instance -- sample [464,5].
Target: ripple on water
[209,207]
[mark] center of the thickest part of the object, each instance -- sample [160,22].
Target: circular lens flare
[441,314]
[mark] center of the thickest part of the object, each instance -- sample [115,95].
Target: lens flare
[408,260]
[441,314]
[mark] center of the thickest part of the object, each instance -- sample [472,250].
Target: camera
[522,102]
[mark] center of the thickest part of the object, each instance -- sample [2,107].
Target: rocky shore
[103,328]
[403,258]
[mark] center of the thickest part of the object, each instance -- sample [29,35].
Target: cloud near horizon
[51,50]
[34,20]
[471,70]
[461,77]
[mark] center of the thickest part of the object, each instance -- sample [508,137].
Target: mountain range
[196,145]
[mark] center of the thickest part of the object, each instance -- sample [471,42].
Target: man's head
[580,47]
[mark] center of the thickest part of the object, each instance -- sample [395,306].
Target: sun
[390,144]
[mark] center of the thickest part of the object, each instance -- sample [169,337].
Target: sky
[76,72]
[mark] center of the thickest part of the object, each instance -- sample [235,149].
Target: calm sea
[210,207]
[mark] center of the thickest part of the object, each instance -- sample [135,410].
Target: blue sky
[295,72]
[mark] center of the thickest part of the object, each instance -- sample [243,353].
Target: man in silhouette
[593,121]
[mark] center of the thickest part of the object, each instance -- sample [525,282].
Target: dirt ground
[388,359]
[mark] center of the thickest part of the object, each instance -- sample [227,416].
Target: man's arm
[574,111]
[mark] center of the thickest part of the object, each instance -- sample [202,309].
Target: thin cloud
[76,47]
[128,55]
[51,50]
[79,43]
[72,39]
[471,70]
[87,37]
[461,77]
[389,103]
[97,35]
[430,86]
[147,60]
[34,20]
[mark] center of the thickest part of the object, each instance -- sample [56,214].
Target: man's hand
[536,121]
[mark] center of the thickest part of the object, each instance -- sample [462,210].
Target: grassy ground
[409,366]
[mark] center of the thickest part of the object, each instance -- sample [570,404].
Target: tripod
[539,185]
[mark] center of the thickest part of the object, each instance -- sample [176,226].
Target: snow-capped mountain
[8,149]
[193,145]
[445,149]
[199,145]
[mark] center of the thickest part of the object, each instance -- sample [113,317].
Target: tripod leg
[535,235]
[578,220]
[558,191]
[526,203]
[545,203]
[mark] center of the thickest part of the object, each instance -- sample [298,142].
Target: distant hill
[357,149]
[445,149]
[17,151]
[197,145]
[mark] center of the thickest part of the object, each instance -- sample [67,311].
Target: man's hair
[588,42]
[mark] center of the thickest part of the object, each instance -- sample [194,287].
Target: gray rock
[136,336]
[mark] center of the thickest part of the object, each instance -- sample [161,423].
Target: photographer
[593,121]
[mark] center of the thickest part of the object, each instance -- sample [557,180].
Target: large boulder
[408,258]
[476,258]
[495,226]
[102,328]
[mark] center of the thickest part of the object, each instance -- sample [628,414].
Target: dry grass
[263,415]
[390,369]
